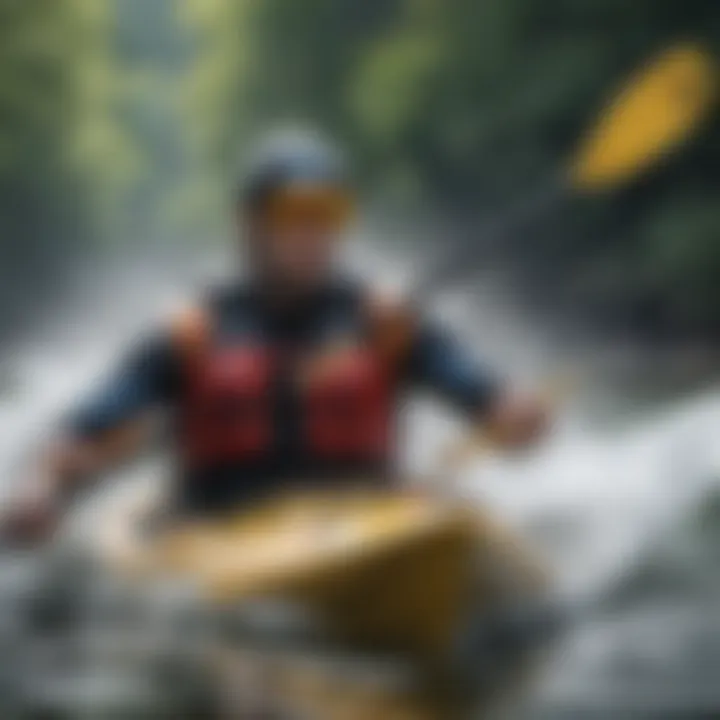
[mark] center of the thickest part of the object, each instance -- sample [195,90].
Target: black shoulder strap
[190,331]
[393,326]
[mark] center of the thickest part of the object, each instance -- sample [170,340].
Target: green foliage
[142,108]
[464,104]
[60,144]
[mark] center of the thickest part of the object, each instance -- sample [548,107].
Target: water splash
[597,501]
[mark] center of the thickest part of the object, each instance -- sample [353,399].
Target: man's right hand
[33,516]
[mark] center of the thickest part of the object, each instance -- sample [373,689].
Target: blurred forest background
[121,122]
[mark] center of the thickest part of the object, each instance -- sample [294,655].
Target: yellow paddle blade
[660,107]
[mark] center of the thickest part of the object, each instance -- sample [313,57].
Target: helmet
[295,174]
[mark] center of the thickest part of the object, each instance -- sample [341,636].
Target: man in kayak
[293,374]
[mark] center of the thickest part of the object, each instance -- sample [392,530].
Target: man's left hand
[517,421]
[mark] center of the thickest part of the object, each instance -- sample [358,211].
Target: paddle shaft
[652,115]
[462,262]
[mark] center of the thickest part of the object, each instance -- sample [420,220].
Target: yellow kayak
[389,572]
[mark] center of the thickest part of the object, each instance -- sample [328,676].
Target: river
[623,501]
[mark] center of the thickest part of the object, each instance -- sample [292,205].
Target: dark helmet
[291,157]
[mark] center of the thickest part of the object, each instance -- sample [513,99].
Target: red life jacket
[346,396]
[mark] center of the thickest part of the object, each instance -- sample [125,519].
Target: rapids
[624,504]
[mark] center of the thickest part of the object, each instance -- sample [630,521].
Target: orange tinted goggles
[316,205]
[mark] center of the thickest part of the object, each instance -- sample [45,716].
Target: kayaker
[294,373]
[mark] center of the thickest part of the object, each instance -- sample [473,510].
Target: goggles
[314,205]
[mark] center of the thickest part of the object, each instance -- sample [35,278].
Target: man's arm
[437,361]
[146,377]
[102,430]
[428,355]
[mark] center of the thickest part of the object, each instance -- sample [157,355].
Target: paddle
[652,115]
[661,106]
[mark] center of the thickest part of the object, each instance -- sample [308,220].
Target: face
[296,238]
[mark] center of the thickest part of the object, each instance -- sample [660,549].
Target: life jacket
[344,388]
